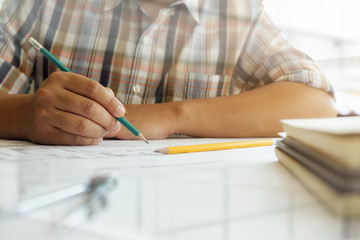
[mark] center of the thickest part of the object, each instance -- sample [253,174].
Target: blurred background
[326,30]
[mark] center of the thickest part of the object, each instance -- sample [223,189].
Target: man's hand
[71,109]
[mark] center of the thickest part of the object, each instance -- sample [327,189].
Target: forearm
[13,112]
[255,113]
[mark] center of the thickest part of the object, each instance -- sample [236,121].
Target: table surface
[228,194]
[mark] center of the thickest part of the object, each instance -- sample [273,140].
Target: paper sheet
[63,166]
[110,154]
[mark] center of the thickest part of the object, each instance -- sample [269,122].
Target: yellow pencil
[217,146]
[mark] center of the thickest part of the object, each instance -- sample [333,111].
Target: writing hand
[70,109]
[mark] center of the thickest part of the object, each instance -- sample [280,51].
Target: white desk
[230,194]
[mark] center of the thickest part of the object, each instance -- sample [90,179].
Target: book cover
[337,139]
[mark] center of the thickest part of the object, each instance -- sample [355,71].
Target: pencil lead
[140,136]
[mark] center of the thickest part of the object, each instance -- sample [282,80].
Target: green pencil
[62,67]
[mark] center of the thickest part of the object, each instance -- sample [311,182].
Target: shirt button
[163,11]
[146,40]
[136,88]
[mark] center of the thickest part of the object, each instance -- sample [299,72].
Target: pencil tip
[156,150]
[140,136]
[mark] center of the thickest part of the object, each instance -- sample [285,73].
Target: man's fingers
[110,91]
[73,110]
[77,125]
[52,135]
[64,138]
[91,89]
[88,108]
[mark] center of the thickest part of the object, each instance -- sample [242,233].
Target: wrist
[178,118]
[14,111]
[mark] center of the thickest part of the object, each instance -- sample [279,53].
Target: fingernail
[120,111]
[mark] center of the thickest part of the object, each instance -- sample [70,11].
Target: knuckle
[113,102]
[93,88]
[110,124]
[90,108]
[82,126]
[43,98]
[110,91]
[55,76]
[44,94]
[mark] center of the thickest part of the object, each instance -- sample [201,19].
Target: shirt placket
[140,70]
[143,77]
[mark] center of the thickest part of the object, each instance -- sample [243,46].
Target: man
[203,68]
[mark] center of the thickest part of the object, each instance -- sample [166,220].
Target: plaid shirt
[194,49]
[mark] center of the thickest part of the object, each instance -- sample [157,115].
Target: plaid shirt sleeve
[267,58]
[18,22]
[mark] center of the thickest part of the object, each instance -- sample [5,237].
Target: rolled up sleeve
[267,58]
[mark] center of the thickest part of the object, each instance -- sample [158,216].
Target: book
[342,181]
[318,158]
[345,204]
[337,139]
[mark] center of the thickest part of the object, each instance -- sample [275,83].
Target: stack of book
[324,154]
